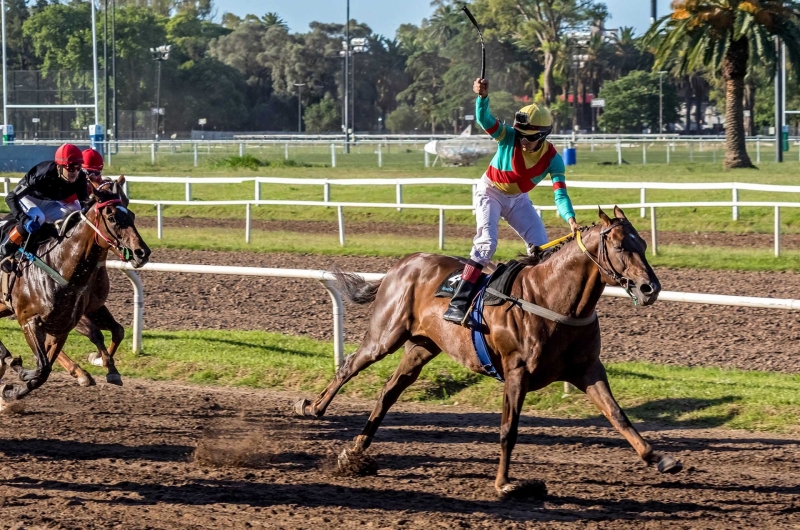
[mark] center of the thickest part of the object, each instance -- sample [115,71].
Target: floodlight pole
[779,116]
[653,11]
[94,67]
[347,82]
[5,72]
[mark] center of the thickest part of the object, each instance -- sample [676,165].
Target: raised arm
[493,127]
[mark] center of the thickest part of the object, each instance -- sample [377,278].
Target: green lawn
[706,397]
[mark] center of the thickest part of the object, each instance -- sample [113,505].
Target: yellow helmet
[534,120]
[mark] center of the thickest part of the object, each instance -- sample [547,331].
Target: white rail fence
[328,281]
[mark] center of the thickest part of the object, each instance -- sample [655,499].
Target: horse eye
[112,219]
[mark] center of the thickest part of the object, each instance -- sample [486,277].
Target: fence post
[127,190]
[340,215]
[758,150]
[326,192]
[399,195]
[619,151]
[241,149]
[153,153]
[644,154]
[591,142]
[778,229]
[427,160]
[333,155]
[247,224]
[668,152]
[441,229]
[735,199]
[338,323]
[286,151]
[653,232]
[642,199]
[108,153]
[715,153]
[691,151]
[159,221]
[195,155]
[257,190]
[380,156]
[188,194]
[6,183]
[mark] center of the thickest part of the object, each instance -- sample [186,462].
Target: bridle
[602,255]
[116,245]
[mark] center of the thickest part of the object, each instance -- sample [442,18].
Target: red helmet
[92,160]
[68,154]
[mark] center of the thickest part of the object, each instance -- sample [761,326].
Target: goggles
[522,125]
[73,167]
[93,173]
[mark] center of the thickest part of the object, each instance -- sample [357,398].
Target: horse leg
[516,386]
[372,349]
[416,356]
[45,349]
[596,387]
[93,324]
[74,369]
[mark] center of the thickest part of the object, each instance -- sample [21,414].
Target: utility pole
[653,11]
[661,101]
[347,81]
[105,65]
[160,54]
[299,107]
[778,104]
[114,63]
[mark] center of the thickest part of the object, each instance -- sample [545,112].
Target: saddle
[502,279]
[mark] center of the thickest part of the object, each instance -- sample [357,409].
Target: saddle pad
[502,279]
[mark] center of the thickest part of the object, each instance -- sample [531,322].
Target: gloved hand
[31,225]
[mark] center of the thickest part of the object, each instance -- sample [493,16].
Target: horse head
[621,258]
[117,224]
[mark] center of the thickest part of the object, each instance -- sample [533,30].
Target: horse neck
[78,255]
[568,283]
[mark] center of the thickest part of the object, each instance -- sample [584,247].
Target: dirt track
[109,457]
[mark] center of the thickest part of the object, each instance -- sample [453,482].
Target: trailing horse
[527,350]
[48,311]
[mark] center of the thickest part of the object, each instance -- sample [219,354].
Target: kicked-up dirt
[162,455]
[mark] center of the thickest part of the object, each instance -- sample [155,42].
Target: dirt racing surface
[667,332]
[110,457]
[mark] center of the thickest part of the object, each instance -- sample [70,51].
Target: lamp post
[160,54]
[661,101]
[299,107]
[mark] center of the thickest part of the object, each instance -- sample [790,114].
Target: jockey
[524,157]
[93,165]
[48,192]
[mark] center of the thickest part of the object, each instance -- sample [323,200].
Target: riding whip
[483,46]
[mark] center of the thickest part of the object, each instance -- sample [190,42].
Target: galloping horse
[45,310]
[529,351]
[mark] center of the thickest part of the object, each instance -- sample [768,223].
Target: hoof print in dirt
[529,489]
[351,463]
[669,465]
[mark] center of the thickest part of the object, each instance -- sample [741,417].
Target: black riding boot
[7,251]
[459,305]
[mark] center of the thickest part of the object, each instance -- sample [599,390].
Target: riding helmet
[68,154]
[92,160]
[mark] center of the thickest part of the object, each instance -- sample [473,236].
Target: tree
[724,36]
[323,116]
[403,119]
[632,103]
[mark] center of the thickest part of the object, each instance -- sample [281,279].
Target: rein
[123,252]
[611,272]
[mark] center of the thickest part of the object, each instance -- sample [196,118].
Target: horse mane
[540,256]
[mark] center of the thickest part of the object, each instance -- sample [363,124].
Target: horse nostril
[646,289]
[140,253]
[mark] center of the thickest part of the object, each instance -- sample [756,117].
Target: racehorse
[529,351]
[47,311]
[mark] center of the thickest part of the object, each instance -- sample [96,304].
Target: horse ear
[619,214]
[603,217]
[121,180]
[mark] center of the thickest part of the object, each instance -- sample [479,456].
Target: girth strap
[543,312]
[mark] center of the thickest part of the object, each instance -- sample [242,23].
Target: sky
[385,16]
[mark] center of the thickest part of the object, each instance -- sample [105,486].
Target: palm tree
[724,36]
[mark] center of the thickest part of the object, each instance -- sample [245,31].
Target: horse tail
[355,288]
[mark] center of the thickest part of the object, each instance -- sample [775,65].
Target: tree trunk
[549,65]
[750,104]
[734,69]
[688,94]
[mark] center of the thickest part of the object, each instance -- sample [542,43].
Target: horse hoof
[96,359]
[529,489]
[86,380]
[300,407]
[669,465]
[114,379]
[352,463]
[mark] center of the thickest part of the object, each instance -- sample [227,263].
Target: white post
[691,151]
[619,151]
[138,309]
[127,190]
[399,195]
[108,153]
[340,215]
[195,155]
[380,156]
[326,192]
[758,150]
[592,143]
[257,190]
[644,154]
[777,230]
[159,221]
[673,146]
[441,229]
[153,153]
[241,150]
[715,153]
[188,193]
[427,160]
[653,232]
[735,199]
[6,185]
[247,224]
[642,199]
[338,323]
[286,151]
[333,155]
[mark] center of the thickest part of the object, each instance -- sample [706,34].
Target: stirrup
[7,264]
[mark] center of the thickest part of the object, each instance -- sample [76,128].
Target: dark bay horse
[46,311]
[527,350]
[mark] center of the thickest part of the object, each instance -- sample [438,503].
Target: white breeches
[490,205]
[45,211]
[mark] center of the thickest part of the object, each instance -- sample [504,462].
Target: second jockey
[524,158]
[48,192]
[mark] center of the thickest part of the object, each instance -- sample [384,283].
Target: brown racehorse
[46,311]
[527,350]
